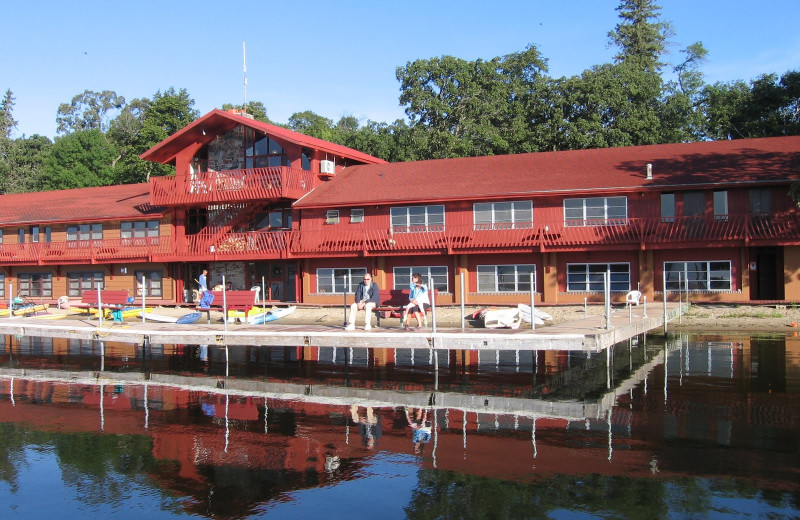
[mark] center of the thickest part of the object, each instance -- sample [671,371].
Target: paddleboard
[525,314]
[273,315]
[158,317]
[190,318]
[50,317]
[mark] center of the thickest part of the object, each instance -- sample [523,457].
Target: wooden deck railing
[659,233]
[219,187]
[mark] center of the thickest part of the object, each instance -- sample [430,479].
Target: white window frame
[139,229]
[700,280]
[332,216]
[516,214]
[590,277]
[440,276]
[587,211]
[416,219]
[489,278]
[356,215]
[336,280]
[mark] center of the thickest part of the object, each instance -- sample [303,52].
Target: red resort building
[251,201]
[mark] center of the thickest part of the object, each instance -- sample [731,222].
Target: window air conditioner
[326,166]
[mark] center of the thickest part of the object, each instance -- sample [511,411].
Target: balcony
[86,251]
[231,186]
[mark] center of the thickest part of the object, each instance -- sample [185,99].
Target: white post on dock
[645,306]
[686,283]
[680,299]
[344,295]
[224,306]
[11,300]
[533,296]
[585,307]
[607,297]
[463,295]
[433,302]
[263,299]
[664,288]
[99,306]
[144,296]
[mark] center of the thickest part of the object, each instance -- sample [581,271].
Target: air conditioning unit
[327,167]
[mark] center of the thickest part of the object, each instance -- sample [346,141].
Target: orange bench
[234,300]
[392,303]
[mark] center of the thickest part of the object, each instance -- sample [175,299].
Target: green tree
[640,35]
[78,160]
[88,110]
[25,159]
[7,122]
[312,124]
[254,108]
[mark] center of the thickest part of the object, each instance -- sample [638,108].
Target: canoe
[500,318]
[158,317]
[264,317]
[525,314]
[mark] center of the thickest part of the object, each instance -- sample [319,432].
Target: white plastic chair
[63,302]
[633,298]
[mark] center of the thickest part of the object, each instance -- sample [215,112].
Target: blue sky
[339,58]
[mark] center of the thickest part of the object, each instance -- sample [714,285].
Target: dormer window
[261,151]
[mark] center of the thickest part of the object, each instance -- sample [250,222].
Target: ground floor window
[438,274]
[701,276]
[505,278]
[84,281]
[2,286]
[339,280]
[38,285]
[589,277]
[153,283]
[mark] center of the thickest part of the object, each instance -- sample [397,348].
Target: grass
[755,314]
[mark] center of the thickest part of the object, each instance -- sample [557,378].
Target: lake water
[696,426]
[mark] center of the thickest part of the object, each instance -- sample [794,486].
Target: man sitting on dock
[367,298]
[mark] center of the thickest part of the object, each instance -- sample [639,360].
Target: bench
[113,300]
[235,301]
[392,303]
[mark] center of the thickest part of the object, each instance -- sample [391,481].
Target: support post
[144,295]
[533,297]
[462,299]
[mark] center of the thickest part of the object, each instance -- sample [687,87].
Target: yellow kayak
[30,309]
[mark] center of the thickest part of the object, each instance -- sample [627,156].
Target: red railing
[219,187]
[87,251]
[777,229]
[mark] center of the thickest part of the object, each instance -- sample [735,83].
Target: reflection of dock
[589,334]
[326,394]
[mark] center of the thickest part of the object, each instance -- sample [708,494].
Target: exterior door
[766,281]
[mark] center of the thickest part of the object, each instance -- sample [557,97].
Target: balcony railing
[219,187]
[657,233]
[87,251]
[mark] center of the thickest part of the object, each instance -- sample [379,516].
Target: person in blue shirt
[203,281]
[418,303]
[367,298]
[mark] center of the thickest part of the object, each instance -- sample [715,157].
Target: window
[39,285]
[21,235]
[402,276]
[596,211]
[332,216]
[503,215]
[339,280]
[411,219]
[48,235]
[589,277]
[505,278]
[356,215]
[721,205]
[667,207]
[1,236]
[81,234]
[701,276]
[260,151]
[152,282]
[760,201]
[79,281]
[2,286]
[139,229]
[305,159]
[34,234]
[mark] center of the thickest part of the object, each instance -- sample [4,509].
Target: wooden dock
[589,334]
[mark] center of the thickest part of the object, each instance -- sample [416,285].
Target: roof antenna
[244,61]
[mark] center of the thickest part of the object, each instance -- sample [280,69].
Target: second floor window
[596,211]
[667,207]
[503,215]
[139,229]
[261,151]
[84,232]
[356,215]
[332,216]
[411,219]
[721,205]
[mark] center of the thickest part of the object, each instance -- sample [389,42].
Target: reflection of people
[420,427]
[367,298]
[418,300]
[369,425]
[203,281]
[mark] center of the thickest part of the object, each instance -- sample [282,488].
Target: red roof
[218,122]
[126,201]
[763,161]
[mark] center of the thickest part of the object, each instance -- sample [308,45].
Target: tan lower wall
[791,272]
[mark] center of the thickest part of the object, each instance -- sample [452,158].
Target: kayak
[30,309]
[265,317]
[525,314]
[495,318]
